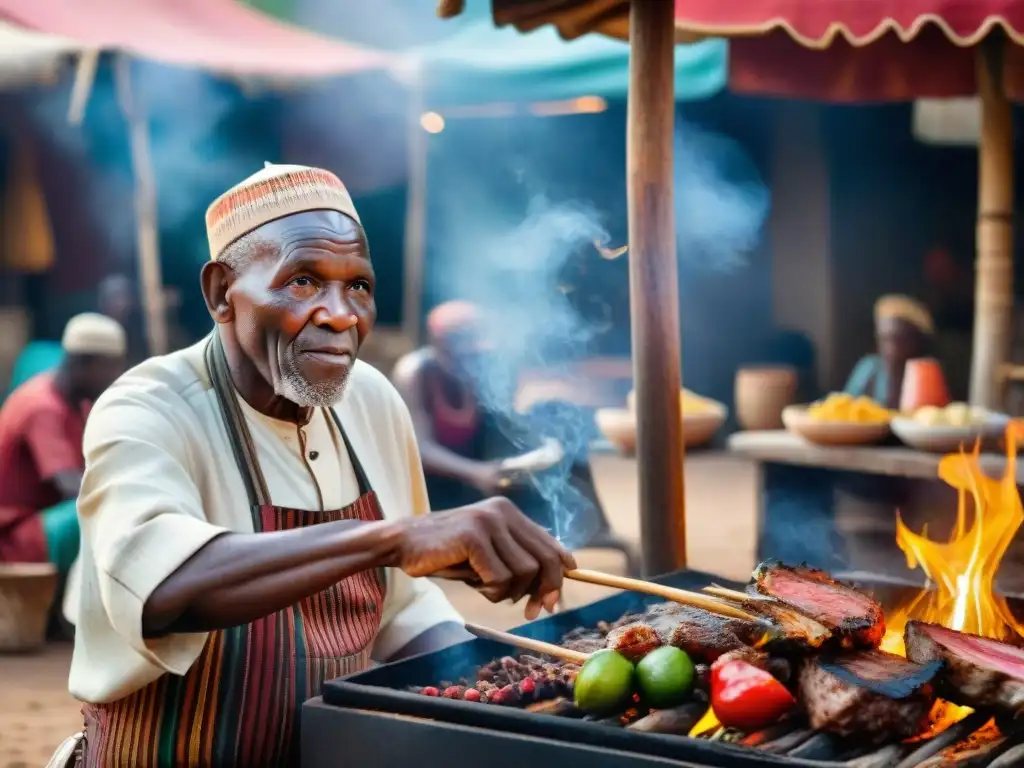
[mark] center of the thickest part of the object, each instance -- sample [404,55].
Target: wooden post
[148,242]
[653,285]
[993,292]
[415,216]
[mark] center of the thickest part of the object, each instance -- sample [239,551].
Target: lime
[605,682]
[664,677]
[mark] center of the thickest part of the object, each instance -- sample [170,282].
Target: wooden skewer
[731,594]
[528,644]
[694,599]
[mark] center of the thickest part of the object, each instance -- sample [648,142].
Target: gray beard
[294,387]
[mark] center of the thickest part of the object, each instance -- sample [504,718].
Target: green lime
[605,682]
[664,677]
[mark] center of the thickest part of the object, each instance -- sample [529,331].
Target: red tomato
[747,698]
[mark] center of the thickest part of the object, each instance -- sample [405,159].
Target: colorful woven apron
[240,703]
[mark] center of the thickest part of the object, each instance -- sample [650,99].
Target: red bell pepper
[747,698]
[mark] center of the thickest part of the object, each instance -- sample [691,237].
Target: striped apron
[240,703]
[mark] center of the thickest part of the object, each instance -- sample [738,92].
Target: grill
[373,719]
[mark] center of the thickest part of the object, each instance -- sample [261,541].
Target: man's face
[93,374]
[301,311]
[898,341]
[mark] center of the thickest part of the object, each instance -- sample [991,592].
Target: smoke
[193,151]
[527,259]
[513,271]
[720,199]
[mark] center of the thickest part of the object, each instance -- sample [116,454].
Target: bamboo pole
[653,286]
[148,244]
[993,292]
[415,216]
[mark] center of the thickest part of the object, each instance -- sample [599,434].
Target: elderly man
[41,426]
[247,531]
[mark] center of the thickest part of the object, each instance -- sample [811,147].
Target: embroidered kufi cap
[94,334]
[272,193]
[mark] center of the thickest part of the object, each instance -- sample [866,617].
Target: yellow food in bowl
[953,415]
[848,409]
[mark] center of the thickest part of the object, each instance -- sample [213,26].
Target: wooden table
[836,508]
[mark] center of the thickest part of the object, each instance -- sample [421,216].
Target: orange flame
[962,572]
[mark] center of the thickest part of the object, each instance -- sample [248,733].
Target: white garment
[161,481]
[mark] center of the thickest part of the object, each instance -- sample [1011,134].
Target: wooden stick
[528,644]
[731,594]
[695,599]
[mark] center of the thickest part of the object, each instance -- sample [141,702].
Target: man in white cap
[41,427]
[248,532]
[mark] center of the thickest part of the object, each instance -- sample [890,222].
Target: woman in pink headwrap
[465,433]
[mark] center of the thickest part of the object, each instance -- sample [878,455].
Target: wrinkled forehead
[323,231]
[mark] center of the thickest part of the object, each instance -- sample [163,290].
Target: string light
[432,122]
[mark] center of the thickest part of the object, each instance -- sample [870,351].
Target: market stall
[473,698]
[222,36]
[879,51]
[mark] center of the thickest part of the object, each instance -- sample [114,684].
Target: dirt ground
[36,712]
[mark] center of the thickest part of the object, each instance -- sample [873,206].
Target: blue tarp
[481,64]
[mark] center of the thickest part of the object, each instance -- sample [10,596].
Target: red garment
[40,437]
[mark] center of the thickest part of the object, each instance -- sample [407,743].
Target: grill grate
[959,746]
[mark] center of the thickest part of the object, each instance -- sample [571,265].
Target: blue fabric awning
[481,64]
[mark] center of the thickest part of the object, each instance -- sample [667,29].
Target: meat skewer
[694,599]
[793,626]
[855,619]
[528,644]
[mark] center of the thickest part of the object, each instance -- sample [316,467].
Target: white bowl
[799,422]
[946,439]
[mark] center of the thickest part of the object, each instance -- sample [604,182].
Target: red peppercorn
[430,691]
[452,692]
[471,694]
[527,686]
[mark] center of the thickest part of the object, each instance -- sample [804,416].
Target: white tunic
[161,481]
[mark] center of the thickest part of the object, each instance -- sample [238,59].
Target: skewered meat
[795,629]
[980,672]
[634,641]
[855,619]
[873,694]
[706,636]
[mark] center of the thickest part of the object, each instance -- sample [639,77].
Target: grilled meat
[703,635]
[706,636]
[980,672]
[634,641]
[871,694]
[854,619]
[795,629]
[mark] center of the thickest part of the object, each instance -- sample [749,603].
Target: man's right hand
[490,545]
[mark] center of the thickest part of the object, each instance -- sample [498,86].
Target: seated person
[904,329]
[41,426]
[463,439]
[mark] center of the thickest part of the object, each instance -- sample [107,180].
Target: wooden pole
[81,89]
[148,243]
[415,217]
[653,285]
[993,292]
